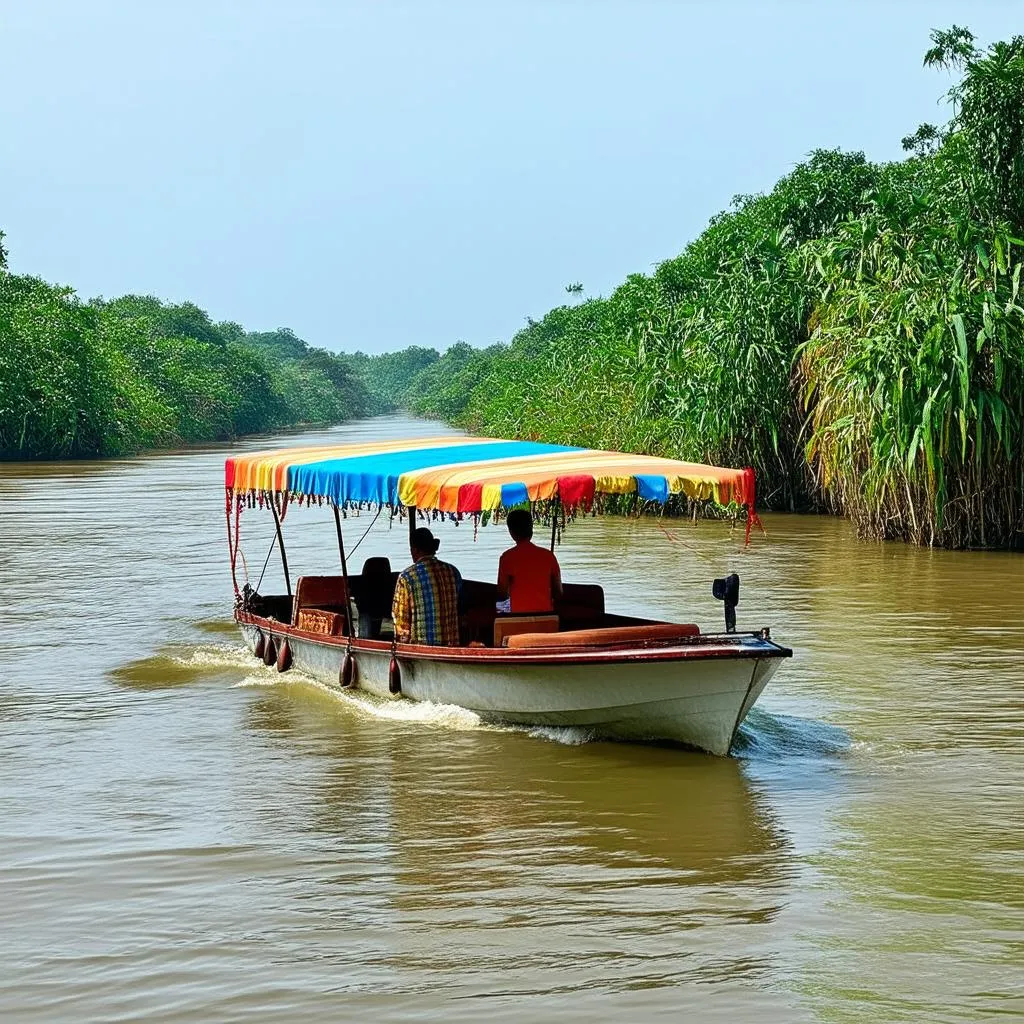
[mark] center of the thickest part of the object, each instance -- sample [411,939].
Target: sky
[379,174]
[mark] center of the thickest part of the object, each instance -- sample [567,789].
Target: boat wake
[445,716]
[266,679]
[449,716]
[765,736]
[180,665]
[216,656]
[568,735]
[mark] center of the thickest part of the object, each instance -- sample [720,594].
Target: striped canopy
[473,474]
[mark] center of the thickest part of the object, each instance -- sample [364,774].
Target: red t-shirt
[529,570]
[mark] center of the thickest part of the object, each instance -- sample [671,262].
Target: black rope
[266,562]
[353,550]
[273,543]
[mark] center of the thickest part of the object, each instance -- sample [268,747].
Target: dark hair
[423,540]
[520,524]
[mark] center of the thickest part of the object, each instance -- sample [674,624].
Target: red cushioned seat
[602,637]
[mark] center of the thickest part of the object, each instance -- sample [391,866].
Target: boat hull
[697,695]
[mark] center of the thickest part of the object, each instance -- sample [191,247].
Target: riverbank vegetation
[856,334]
[82,379]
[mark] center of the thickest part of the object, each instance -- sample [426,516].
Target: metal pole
[344,573]
[232,543]
[412,523]
[554,522]
[280,544]
[341,543]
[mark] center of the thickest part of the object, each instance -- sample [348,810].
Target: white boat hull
[699,698]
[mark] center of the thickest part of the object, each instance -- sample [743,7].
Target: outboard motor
[727,590]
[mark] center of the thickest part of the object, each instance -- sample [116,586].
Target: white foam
[567,735]
[216,656]
[448,716]
[444,716]
[268,679]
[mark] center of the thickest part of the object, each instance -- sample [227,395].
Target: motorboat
[616,676]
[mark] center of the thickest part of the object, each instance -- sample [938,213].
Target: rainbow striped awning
[473,474]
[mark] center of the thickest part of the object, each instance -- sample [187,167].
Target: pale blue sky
[379,174]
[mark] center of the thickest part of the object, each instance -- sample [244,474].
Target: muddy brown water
[186,835]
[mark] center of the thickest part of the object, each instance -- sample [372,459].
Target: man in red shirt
[527,574]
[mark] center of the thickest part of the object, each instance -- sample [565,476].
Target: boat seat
[477,601]
[374,592]
[508,626]
[602,637]
[584,595]
[478,594]
[477,624]
[324,593]
[272,606]
[581,606]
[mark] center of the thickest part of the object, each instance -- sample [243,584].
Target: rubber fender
[258,649]
[394,676]
[284,656]
[347,675]
[269,651]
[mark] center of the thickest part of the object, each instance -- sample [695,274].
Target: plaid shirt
[426,605]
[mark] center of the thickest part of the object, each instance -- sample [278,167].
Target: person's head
[520,524]
[423,544]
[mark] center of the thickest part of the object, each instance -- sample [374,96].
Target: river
[187,835]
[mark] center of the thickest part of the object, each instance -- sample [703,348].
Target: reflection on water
[188,835]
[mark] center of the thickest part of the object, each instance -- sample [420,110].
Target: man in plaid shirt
[426,605]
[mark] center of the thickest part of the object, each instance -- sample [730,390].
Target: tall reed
[855,334]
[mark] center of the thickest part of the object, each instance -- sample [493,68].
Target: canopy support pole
[341,543]
[344,570]
[280,544]
[412,523]
[557,504]
[233,541]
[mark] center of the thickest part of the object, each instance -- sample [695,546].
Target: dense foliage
[106,378]
[440,390]
[857,334]
[388,377]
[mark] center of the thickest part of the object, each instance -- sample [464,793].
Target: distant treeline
[856,335]
[81,379]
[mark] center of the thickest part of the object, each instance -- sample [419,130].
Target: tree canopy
[856,334]
[110,377]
